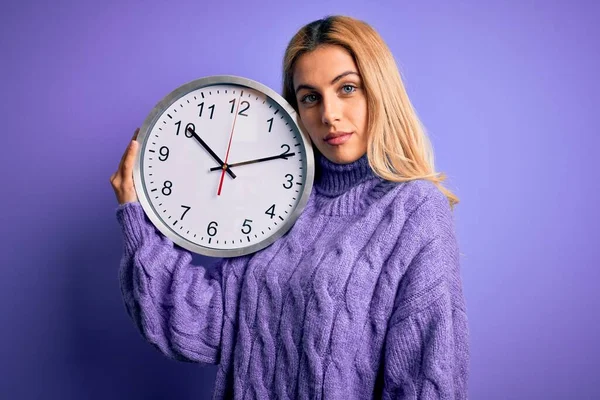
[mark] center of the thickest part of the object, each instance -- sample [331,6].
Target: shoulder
[418,202]
[431,216]
[421,214]
[414,194]
[411,214]
[428,239]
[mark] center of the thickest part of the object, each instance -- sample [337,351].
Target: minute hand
[284,156]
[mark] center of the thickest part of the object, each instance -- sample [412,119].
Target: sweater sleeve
[176,306]
[427,342]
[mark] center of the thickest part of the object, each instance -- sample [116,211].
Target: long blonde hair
[399,149]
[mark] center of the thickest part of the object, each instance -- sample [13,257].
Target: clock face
[223,168]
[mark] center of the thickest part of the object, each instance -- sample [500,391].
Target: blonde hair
[399,149]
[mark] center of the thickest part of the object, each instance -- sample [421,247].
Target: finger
[127,149]
[128,161]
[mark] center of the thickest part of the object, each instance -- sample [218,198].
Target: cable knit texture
[361,299]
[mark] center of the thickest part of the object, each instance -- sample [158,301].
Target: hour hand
[223,166]
[283,156]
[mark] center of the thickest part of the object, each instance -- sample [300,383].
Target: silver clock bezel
[163,105]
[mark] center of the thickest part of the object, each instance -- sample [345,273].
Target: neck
[333,179]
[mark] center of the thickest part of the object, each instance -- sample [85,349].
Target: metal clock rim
[149,122]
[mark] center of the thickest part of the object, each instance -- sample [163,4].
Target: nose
[331,110]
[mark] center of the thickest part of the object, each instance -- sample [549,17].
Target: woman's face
[332,103]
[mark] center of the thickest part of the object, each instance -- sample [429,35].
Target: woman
[362,298]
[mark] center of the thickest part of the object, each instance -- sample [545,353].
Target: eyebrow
[337,78]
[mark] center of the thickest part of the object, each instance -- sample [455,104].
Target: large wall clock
[223,168]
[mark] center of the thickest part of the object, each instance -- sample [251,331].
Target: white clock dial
[223,169]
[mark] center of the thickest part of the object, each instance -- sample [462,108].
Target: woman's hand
[122,179]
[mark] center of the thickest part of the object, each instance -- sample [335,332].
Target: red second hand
[228,147]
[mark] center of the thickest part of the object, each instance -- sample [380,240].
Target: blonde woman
[362,298]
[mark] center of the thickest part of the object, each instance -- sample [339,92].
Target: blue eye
[348,89]
[309,98]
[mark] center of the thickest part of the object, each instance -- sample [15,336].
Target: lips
[337,138]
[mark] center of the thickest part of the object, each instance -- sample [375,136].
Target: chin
[339,155]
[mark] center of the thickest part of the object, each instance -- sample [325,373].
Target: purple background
[508,90]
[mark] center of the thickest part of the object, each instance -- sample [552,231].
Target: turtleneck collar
[333,179]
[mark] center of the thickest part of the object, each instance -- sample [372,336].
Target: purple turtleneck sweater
[361,299]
